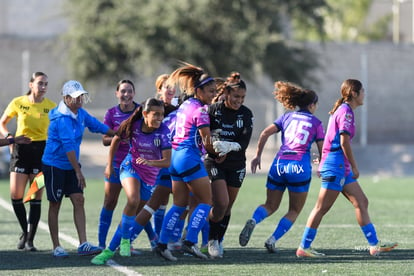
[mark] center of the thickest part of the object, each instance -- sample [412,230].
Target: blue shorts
[127,171]
[291,174]
[336,179]
[60,183]
[186,165]
[114,178]
[164,178]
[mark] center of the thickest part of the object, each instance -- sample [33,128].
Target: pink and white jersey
[299,130]
[113,118]
[148,146]
[342,121]
[191,115]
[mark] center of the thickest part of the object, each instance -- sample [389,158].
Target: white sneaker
[59,252]
[270,245]
[213,248]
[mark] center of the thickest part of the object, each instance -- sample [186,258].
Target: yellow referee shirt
[32,118]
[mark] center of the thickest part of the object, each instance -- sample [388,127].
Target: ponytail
[189,78]
[125,129]
[336,105]
[347,87]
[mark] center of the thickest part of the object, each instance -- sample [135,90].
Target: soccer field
[339,237]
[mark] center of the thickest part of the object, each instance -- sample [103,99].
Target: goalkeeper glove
[224,147]
[215,135]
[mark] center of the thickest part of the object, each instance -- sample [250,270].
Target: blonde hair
[160,81]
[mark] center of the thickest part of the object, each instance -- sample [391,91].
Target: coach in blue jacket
[61,168]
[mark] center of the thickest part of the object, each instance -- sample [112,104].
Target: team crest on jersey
[348,117]
[46,110]
[203,110]
[239,123]
[157,141]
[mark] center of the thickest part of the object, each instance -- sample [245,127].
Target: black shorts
[60,183]
[27,158]
[233,176]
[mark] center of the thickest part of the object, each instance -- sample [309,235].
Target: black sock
[188,243]
[223,224]
[34,217]
[162,246]
[214,230]
[20,211]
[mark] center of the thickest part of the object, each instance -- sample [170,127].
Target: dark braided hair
[232,82]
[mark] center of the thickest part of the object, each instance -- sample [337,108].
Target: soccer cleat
[87,249]
[135,251]
[22,241]
[270,245]
[165,254]
[308,253]
[247,231]
[221,249]
[213,248]
[204,248]
[102,257]
[59,252]
[30,247]
[192,249]
[382,247]
[174,246]
[125,248]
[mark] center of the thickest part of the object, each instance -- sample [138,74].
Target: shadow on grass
[21,260]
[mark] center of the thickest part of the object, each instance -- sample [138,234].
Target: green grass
[339,237]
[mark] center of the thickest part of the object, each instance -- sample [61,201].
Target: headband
[205,81]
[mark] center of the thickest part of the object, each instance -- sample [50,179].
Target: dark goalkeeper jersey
[236,126]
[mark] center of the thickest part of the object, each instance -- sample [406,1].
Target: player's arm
[4,120]
[75,165]
[106,140]
[346,148]
[264,135]
[319,145]
[113,148]
[205,134]
[164,162]
[244,139]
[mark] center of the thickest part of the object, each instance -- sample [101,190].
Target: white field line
[123,269]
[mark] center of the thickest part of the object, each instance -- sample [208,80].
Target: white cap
[73,88]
